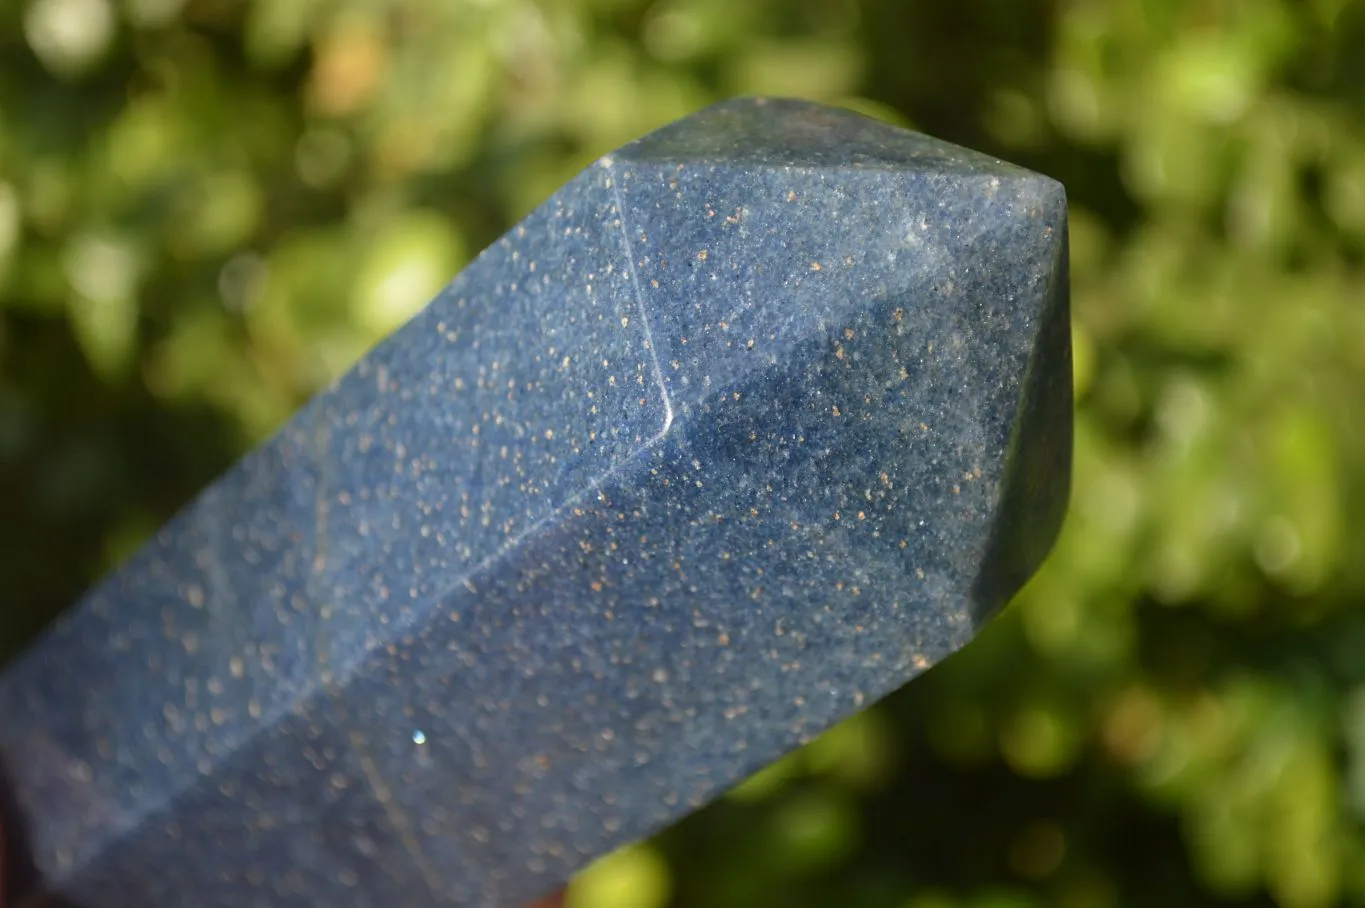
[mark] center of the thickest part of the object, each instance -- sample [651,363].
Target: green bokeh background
[209,208]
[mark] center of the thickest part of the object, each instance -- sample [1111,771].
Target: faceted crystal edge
[1036,489]
[793,133]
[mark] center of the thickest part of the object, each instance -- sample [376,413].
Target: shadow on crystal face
[1036,486]
[873,438]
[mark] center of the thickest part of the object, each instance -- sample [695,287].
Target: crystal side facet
[751,422]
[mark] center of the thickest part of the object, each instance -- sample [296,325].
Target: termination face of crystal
[748,424]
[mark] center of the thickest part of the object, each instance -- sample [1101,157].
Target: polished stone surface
[750,423]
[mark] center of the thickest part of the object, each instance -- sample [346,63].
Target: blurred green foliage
[209,208]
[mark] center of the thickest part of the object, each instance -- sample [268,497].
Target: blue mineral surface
[751,422]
